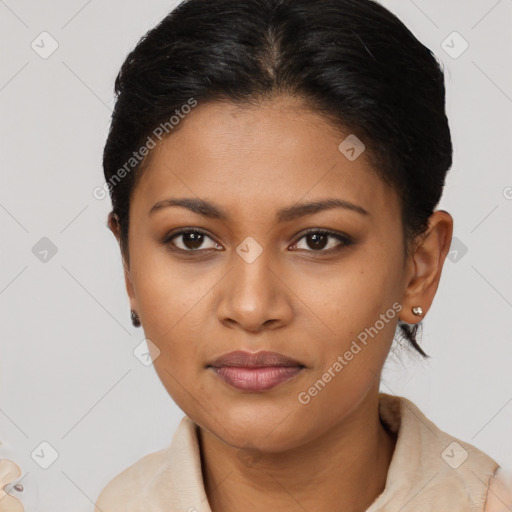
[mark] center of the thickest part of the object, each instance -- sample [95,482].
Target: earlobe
[113,224]
[427,263]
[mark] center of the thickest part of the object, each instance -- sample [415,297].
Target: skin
[332,453]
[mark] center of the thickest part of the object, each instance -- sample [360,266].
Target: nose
[255,295]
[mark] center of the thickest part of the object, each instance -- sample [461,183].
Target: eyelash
[344,239]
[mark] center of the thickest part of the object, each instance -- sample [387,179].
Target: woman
[274,168]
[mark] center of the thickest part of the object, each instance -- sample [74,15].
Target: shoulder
[499,496]
[125,492]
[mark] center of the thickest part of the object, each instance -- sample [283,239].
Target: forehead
[260,158]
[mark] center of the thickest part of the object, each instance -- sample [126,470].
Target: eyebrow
[208,209]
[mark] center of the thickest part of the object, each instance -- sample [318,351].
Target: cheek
[170,294]
[352,295]
[359,301]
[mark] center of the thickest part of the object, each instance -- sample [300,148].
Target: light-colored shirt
[430,471]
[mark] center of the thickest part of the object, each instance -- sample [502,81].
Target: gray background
[68,375]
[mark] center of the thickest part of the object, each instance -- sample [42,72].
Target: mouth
[255,372]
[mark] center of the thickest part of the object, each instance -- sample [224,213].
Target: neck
[344,469]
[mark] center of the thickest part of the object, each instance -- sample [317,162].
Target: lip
[255,372]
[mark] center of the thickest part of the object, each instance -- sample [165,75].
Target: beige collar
[426,460]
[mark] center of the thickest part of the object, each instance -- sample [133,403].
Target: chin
[268,428]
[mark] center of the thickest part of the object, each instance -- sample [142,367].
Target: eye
[323,241]
[191,240]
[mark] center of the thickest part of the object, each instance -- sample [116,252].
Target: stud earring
[135,318]
[418,310]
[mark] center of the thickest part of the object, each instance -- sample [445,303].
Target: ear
[115,227]
[425,265]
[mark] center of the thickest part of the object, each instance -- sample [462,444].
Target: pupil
[193,240]
[319,241]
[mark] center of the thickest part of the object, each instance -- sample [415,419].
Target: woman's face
[254,280]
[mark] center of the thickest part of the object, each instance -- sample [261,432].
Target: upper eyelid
[184,231]
[341,237]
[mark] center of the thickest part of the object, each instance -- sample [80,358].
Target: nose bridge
[253,279]
[253,294]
